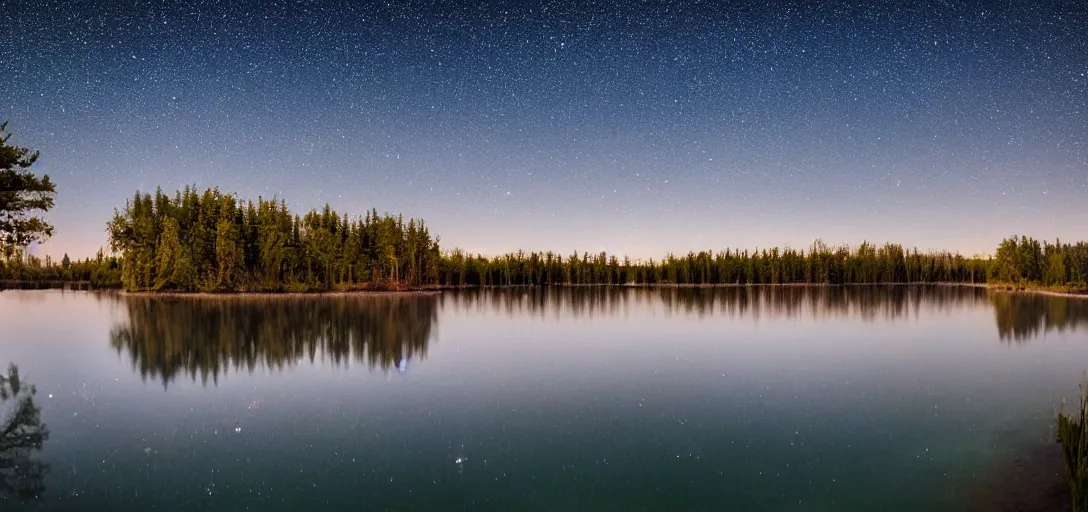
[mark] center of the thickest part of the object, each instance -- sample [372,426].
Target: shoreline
[438,289]
[1009,288]
[1069,295]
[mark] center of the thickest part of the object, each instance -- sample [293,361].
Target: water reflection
[168,337]
[1022,317]
[22,433]
[1019,316]
[868,303]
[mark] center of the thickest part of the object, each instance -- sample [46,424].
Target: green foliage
[1023,260]
[1073,436]
[1018,260]
[213,242]
[822,264]
[24,269]
[22,196]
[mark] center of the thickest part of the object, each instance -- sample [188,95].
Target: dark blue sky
[637,129]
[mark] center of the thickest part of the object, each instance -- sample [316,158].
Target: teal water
[792,398]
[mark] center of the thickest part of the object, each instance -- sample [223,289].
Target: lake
[778,398]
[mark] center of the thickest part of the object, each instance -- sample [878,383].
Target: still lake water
[792,398]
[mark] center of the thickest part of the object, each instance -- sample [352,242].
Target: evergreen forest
[212,241]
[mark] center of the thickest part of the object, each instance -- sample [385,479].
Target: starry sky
[634,128]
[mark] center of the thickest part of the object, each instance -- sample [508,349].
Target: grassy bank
[1030,287]
[1073,437]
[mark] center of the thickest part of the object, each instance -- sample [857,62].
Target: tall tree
[23,196]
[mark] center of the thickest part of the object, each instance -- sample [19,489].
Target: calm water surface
[857,398]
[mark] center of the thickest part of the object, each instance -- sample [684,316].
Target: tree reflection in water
[1019,316]
[1024,316]
[167,337]
[865,302]
[206,337]
[22,477]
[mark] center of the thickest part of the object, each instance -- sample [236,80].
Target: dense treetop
[23,196]
[212,241]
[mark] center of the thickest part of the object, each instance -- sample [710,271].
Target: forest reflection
[168,337]
[864,302]
[165,337]
[1021,317]
[22,434]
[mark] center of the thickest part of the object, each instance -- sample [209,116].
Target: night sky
[635,129]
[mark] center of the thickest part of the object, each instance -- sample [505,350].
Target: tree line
[1026,260]
[17,268]
[214,242]
[1019,260]
[821,264]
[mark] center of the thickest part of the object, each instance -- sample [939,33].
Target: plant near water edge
[1073,436]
